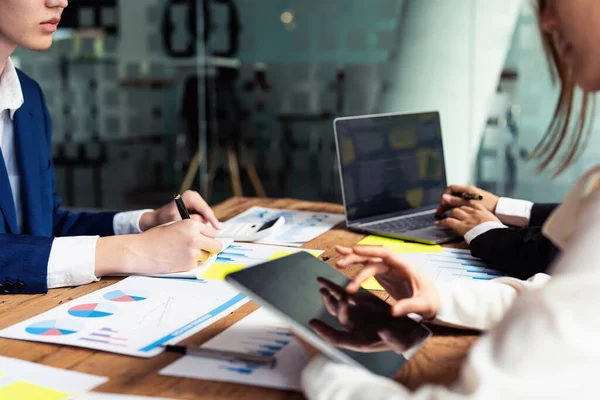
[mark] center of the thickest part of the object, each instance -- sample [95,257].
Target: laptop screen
[390,163]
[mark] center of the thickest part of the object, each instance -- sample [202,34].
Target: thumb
[417,305]
[390,338]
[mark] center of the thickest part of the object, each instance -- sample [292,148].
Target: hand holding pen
[458,195]
[185,214]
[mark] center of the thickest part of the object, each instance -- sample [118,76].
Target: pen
[181,207]
[223,355]
[468,196]
[184,213]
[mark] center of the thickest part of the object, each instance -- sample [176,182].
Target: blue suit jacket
[24,257]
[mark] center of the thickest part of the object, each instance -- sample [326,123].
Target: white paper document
[452,264]
[242,255]
[259,333]
[300,226]
[135,316]
[25,380]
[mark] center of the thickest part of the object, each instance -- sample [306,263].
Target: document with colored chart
[26,380]
[436,262]
[242,255]
[259,333]
[135,316]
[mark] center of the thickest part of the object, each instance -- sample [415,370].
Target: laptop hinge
[412,215]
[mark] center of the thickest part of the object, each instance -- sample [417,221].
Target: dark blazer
[518,252]
[24,257]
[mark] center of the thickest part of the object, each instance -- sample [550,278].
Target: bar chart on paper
[241,255]
[453,264]
[260,333]
[135,316]
[448,265]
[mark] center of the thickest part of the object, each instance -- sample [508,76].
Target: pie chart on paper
[54,328]
[93,310]
[126,297]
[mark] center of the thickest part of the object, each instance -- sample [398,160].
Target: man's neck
[6,49]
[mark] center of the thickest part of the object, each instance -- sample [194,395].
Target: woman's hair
[560,137]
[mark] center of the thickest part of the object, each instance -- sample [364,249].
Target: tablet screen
[293,287]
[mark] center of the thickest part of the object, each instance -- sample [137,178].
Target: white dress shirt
[509,211]
[72,259]
[543,334]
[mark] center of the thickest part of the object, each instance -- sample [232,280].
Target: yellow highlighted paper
[400,245]
[218,271]
[371,284]
[21,390]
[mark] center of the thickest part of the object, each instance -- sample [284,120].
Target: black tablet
[292,287]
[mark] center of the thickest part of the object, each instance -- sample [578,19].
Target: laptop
[392,175]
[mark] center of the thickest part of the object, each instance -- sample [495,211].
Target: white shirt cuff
[514,212]
[72,261]
[481,229]
[127,223]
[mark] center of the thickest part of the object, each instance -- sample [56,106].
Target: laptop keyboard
[404,224]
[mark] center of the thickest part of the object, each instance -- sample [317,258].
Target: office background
[136,88]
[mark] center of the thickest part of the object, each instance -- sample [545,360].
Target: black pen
[185,214]
[183,211]
[468,196]
[223,355]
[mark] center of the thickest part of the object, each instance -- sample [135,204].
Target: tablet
[289,288]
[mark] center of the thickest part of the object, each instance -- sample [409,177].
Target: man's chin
[38,45]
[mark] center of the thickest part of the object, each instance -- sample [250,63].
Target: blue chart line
[236,254]
[244,371]
[230,303]
[269,343]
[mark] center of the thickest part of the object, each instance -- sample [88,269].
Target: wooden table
[437,362]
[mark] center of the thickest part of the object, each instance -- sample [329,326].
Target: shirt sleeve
[126,223]
[514,212]
[72,261]
[481,229]
[479,304]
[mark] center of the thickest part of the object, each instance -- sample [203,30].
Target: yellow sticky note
[400,245]
[21,390]
[217,271]
[284,253]
[371,284]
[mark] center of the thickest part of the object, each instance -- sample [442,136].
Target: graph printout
[135,316]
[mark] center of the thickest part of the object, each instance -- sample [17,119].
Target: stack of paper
[300,226]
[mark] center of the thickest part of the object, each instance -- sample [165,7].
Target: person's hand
[367,321]
[448,201]
[173,247]
[412,290]
[463,219]
[198,208]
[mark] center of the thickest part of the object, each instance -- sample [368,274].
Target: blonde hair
[558,134]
